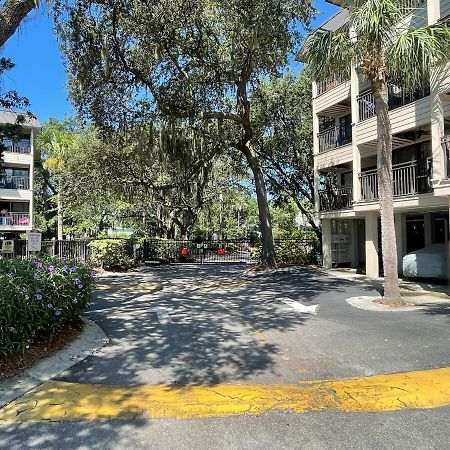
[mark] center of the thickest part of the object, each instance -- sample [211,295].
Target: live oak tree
[197,60]
[12,13]
[282,114]
[382,49]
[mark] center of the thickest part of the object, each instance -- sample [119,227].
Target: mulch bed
[40,349]
[400,304]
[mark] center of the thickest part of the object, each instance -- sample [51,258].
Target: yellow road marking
[60,401]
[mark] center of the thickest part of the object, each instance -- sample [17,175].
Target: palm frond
[414,53]
[373,21]
[327,52]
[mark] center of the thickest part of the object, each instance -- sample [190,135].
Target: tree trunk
[60,219]
[386,192]
[11,15]
[265,220]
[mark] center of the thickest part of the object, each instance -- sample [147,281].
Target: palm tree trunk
[386,192]
[265,219]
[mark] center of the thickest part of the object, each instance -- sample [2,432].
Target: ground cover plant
[38,297]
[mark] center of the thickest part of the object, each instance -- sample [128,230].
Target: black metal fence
[225,251]
[179,251]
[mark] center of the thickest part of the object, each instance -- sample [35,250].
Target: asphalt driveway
[213,325]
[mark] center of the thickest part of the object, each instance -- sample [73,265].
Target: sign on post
[8,246]
[34,241]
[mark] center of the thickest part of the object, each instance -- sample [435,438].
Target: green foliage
[111,253]
[292,251]
[37,297]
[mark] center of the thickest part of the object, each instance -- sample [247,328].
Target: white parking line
[162,314]
[300,307]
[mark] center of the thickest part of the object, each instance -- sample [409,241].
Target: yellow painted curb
[60,401]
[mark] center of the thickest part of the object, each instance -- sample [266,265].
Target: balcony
[331,82]
[334,137]
[334,198]
[15,183]
[409,178]
[17,147]
[446,147]
[397,97]
[15,219]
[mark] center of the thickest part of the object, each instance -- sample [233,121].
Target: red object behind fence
[184,251]
[221,251]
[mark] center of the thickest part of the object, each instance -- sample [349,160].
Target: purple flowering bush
[37,298]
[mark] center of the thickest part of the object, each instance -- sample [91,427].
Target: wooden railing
[15,147]
[335,198]
[331,82]
[397,97]
[15,219]
[15,183]
[446,147]
[334,137]
[406,181]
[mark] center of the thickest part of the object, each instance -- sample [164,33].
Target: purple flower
[49,306]
[80,286]
[64,268]
[11,275]
[51,268]
[73,269]
[24,289]
[77,281]
[39,265]
[37,276]
[57,312]
[38,296]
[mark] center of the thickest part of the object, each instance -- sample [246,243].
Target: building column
[400,238]
[31,180]
[315,119]
[354,243]
[326,244]
[427,229]
[372,266]
[356,168]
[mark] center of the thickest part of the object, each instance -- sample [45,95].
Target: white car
[428,262]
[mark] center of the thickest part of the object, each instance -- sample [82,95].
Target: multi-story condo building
[16,183]
[345,159]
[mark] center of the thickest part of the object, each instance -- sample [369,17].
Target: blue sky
[39,73]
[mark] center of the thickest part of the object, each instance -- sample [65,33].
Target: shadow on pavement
[216,333]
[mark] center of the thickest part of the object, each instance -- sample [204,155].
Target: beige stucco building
[345,160]
[16,183]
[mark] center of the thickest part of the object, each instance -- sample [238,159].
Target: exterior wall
[334,157]
[20,161]
[409,116]
[332,97]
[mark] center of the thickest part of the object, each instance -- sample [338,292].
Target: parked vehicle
[428,262]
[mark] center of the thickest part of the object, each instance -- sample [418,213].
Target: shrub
[293,251]
[111,253]
[38,297]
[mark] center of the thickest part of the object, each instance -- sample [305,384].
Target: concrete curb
[90,340]
[420,302]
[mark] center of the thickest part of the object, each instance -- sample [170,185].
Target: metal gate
[204,252]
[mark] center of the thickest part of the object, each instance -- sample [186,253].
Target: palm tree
[374,42]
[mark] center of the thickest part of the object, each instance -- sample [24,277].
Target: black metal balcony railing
[397,97]
[334,137]
[14,183]
[15,219]
[334,198]
[409,178]
[331,82]
[17,147]
[446,147]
